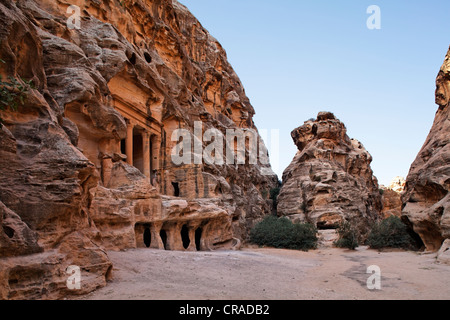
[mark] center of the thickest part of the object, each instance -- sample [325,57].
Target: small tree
[282,233]
[13,93]
[348,237]
[390,233]
[274,193]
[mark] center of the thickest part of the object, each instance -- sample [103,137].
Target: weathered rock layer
[330,179]
[391,199]
[426,199]
[85,161]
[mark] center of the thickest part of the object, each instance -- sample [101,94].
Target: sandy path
[270,274]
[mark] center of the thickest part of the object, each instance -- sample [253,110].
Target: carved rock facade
[86,160]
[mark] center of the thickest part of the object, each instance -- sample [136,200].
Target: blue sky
[296,58]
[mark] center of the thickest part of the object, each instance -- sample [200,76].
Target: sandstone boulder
[443,255]
[16,238]
[330,179]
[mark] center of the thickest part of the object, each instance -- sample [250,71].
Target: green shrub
[13,93]
[390,233]
[348,237]
[282,233]
[274,196]
[274,193]
[304,206]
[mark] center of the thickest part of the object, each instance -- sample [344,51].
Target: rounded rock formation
[330,179]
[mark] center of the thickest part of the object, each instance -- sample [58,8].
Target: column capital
[130,122]
[146,134]
[129,143]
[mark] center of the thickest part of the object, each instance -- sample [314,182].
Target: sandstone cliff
[85,161]
[391,203]
[330,179]
[426,199]
[391,199]
[397,184]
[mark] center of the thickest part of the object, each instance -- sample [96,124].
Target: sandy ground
[271,274]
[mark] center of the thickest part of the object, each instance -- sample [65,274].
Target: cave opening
[185,236]
[108,274]
[138,151]
[163,235]
[325,225]
[132,59]
[176,189]
[123,149]
[418,242]
[8,231]
[147,237]
[147,57]
[198,238]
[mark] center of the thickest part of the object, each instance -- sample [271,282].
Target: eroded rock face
[427,199]
[44,189]
[330,179]
[392,197]
[86,160]
[391,203]
[397,184]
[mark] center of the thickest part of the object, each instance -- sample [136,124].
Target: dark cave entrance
[9,231]
[163,235]
[123,149]
[138,150]
[147,237]
[198,238]
[176,189]
[418,242]
[185,237]
[147,57]
[324,225]
[132,58]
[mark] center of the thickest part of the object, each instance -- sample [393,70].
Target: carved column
[156,145]
[129,143]
[155,229]
[107,165]
[146,153]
